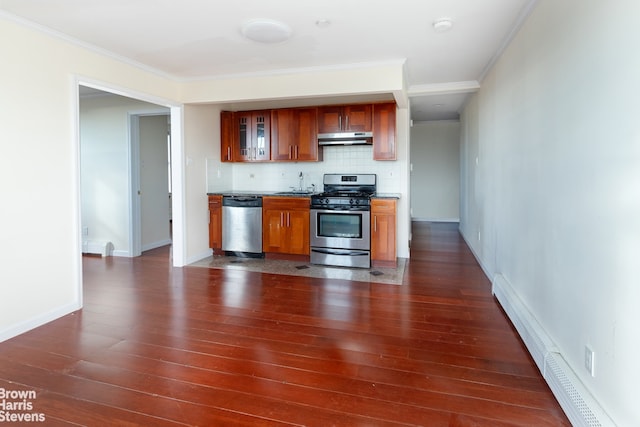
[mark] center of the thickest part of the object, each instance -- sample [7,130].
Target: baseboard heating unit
[93,247]
[574,398]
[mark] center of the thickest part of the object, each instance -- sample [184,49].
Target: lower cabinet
[215,223]
[285,225]
[383,232]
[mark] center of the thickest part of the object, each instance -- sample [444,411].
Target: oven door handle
[340,252]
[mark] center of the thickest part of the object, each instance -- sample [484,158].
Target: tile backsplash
[281,176]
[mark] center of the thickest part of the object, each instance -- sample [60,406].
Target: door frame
[135,210]
[177,169]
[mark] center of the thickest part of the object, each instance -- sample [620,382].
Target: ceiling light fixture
[323,23]
[442,25]
[266,31]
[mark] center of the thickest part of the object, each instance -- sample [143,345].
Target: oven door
[341,229]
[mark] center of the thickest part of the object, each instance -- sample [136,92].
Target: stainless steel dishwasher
[242,225]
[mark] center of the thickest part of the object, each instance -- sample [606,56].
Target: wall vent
[579,405]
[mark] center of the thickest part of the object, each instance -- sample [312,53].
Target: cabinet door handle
[346,119]
[229,153]
[340,122]
[296,152]
[290,152]
[375,224]
[288,219]
[281,219]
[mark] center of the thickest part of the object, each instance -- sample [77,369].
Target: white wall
[202,138]
[39,169]
[551,186]
[154,181]
[435,174]
[105,152]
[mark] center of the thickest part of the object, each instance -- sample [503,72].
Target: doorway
[112,128]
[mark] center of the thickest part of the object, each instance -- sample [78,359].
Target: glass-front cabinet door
[253,136]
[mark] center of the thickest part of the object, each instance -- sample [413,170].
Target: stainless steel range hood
[346,138]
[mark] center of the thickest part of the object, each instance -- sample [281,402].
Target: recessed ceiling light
[266,31]
[323,23]
[442,25]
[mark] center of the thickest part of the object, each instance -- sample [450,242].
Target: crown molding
[444,88]
[88,46]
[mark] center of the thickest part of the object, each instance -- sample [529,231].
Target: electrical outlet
[589,359]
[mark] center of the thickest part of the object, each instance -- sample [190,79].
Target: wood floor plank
[157,345]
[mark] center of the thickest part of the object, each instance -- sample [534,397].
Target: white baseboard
[96,247]
[435,219]
[198,257]
[40,320]
[155,245]
[574,398]
[121,253]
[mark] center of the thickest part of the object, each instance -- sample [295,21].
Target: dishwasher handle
[242,201]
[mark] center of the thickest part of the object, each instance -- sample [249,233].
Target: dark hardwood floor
[156,345]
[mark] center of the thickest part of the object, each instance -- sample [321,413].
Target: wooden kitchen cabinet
[294,134]
[383,232]
[227,136]
[215,223]
[384,131]
[253,136]
[345,118]
[285,225]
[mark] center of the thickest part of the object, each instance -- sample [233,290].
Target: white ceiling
[197,39]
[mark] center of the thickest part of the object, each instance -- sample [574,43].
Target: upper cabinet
[253,136]
[294,134]
[291,134]
[245,136]
[384,131]
[227,136]
[345,118]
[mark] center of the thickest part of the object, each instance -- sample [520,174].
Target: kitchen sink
[295,193]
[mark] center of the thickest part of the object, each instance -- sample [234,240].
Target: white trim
[444,88]
[155,245]
[135,232]
[574,398]
[519,22]
[27,325]
[475,254]
[199,257]
[177,164]
[435,219]
[74,146]
[178,187]
[135,210]
[121,253]
[91,47]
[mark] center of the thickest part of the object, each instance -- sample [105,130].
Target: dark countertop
[276,193]
[255,193]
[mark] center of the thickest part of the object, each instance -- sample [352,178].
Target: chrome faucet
[301,178]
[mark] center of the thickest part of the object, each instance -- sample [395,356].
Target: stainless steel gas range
[340,221]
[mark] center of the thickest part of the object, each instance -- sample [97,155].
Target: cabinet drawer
[286,203]
[215,202]
[387,207]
